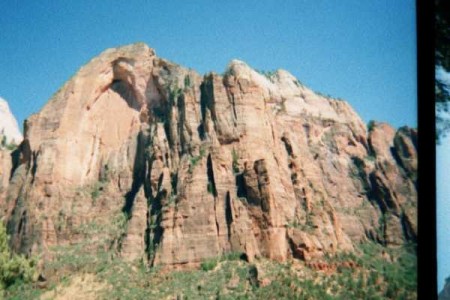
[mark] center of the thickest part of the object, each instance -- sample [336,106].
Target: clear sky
[443,193]
[361,51]
[443,210]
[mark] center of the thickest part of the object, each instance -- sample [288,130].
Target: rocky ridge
[192,167]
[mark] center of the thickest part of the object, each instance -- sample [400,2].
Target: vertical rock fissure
[358,173]
[376,193]
[207,101]
[155,231]
[231,99]
[34,166]
[15,161]
[203,103]
[182,124]
[407,228]
[241,186]
[92,152]
[228,214]
[138,174]
[299,192]
[211,186]
[203,99]
[396,156]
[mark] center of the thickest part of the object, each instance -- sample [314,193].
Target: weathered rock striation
[202,166]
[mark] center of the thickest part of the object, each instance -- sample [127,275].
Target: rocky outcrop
[202,166]
[5,174]
[8,124]
[10,137]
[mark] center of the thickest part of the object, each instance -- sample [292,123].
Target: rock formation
[8,124]
[10,136]
[202,166]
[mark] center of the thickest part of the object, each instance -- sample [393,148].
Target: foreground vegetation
[15,269]
[375,275]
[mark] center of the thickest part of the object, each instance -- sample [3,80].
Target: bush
[5,145]
[187,82]
[195,159]
[13,268]
[208,265]
[371,125]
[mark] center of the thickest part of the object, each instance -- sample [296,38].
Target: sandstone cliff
[201,166]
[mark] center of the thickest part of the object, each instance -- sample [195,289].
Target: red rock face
[206,166]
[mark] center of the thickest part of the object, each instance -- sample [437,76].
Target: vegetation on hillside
[14,269]
[377,273]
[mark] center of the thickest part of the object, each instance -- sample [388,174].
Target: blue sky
[443,210]
[361,51]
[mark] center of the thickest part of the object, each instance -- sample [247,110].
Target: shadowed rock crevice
[358,173]
[126,92]
[124,80]
[249,181]
[182,127]
[211,187]
[241,186]
[157,198]
[138,174]
[201,128]
[228,214]
[34,165]
[15,161]
[299,191]
[288,146]
[207,97]
[382,194]
[154,231]
[408,230]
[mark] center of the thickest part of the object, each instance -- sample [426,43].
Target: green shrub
[195,159]
[208,265]
[5,145]
[232,256]
[371,125]
[13,268]
[187,81]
